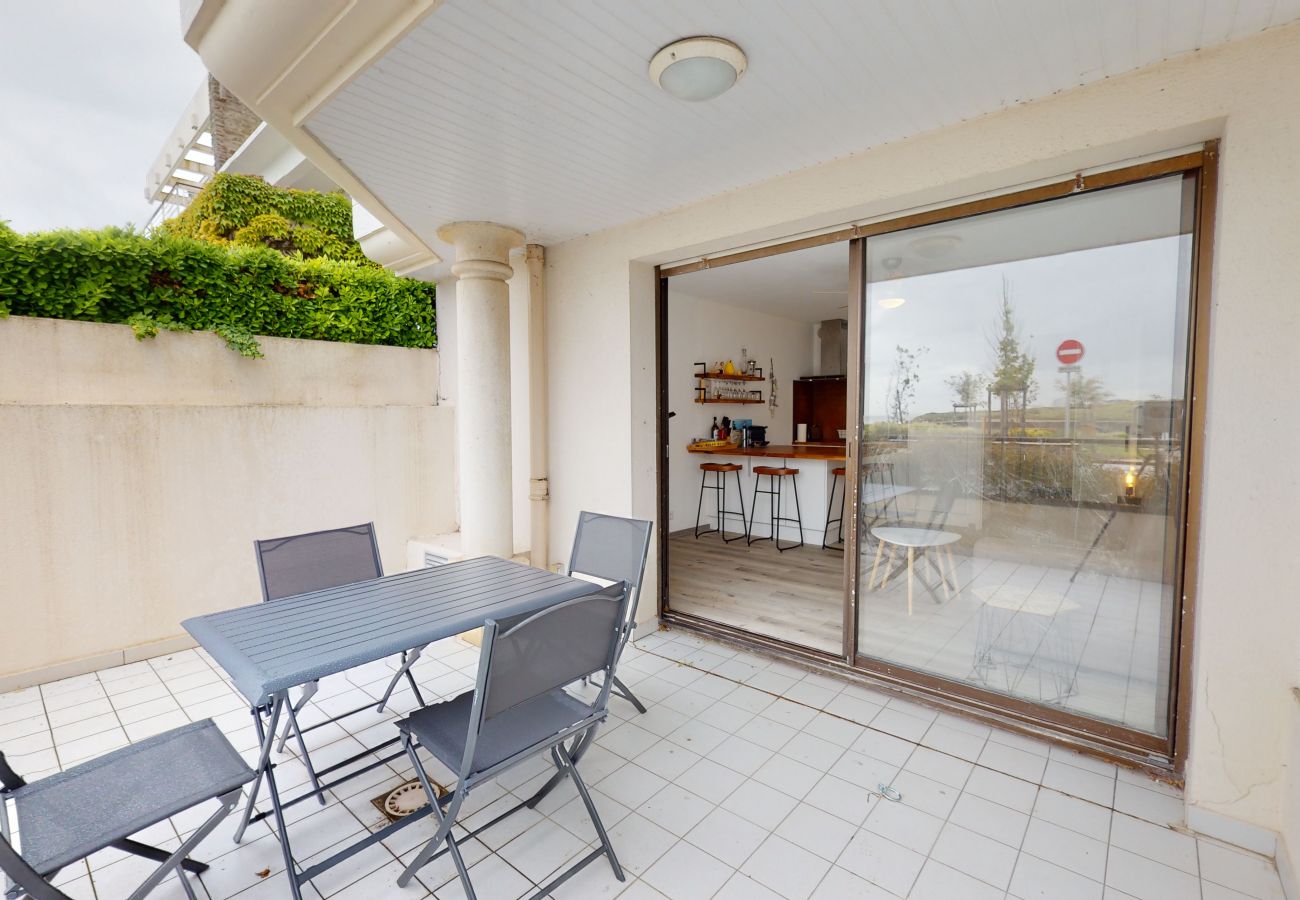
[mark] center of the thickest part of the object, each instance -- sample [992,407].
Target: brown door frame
[1118,742]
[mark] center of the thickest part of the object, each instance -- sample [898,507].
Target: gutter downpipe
[539,491]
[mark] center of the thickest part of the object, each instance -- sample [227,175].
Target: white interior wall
[702,330]
[1240,740]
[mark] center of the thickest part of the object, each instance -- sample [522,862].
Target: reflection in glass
[1023,448]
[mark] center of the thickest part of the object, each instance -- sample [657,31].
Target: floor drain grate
[405,799]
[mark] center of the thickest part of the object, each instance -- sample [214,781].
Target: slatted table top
[274,646]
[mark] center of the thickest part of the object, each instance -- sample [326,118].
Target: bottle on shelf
[713,432]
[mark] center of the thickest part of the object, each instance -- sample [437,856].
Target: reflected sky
[1123,302]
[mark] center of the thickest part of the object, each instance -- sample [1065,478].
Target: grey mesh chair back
[551,649]
[317,560]
[611,548]
[314,561]
[520,708]
[539,656]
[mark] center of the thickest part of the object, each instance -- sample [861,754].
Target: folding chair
[70,815]
[518,709]
[613,549]
[301,563]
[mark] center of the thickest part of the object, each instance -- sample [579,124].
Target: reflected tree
[1084,393]
[968,392]
[1012,381]
[903,379]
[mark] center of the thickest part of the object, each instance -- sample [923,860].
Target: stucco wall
[134,476]
[600,287]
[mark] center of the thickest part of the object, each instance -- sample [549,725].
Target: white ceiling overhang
[540,114]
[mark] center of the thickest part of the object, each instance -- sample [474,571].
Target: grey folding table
[269,648]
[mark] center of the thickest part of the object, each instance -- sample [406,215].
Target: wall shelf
[719,376]
[702,391]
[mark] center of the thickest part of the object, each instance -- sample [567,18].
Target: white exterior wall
[137,474]
[601,294]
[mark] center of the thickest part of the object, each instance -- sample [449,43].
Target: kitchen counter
[830,452]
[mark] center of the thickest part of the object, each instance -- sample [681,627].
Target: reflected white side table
[911,540]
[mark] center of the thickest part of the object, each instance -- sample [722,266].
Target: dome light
[698,68]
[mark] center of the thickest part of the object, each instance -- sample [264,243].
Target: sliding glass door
[1021,463]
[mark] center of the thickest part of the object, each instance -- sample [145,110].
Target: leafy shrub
[245,210]
[169,282]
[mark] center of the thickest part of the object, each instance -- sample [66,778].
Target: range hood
[832,348]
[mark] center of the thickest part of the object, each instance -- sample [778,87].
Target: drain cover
[405,799]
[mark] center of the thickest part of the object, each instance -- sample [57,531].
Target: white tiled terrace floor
[748,779]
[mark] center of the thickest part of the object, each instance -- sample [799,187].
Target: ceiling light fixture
[935,246]
[698,68]
[891,264]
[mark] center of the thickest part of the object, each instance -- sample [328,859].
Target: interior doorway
[756,383]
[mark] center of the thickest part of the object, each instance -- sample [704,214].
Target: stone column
[482,268]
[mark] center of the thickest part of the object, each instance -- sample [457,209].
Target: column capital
[482,248]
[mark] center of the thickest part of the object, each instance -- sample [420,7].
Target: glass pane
[1023,413]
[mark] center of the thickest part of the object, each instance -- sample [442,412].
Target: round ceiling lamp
[698,68]
[891,300]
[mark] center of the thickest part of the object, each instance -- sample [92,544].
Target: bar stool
[776,476]
[719,485]
[837,477]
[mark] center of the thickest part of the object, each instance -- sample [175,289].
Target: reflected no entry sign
[1069,352]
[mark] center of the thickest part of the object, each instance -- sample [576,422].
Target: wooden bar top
[829,452]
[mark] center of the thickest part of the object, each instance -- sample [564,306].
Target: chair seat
[838,470]
[720,467]
[72,814]
[442,727]
[914,537]
[775,470]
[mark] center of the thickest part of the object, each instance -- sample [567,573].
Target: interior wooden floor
[795,596]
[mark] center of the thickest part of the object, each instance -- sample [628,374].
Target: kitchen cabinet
[821,402]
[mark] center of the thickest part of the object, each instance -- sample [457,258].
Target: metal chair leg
[409,658]
[798,513]
[722,516]
[699,507]
[267,736]
[753,512]
[291,723]
[562,759]
[443,834]
[830,505]
[580,748]
[302,747]
[626,693]
[176,860]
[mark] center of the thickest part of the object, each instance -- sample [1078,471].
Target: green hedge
[180,283]
[245,210]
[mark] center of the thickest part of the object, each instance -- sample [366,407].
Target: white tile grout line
[901,768]
[759,664]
